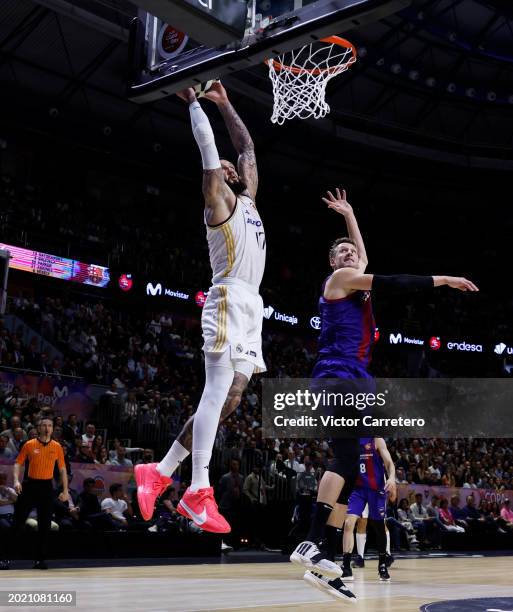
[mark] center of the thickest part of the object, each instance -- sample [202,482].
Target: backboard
[165,60]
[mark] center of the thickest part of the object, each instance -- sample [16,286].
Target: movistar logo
[157,289]
[60,393]
[400,339]
[153,290]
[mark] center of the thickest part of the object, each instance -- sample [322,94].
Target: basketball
[203,88]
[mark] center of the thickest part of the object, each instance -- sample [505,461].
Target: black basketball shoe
[334,587]
[359,561]
[389,560]
[347,572]
[384,576]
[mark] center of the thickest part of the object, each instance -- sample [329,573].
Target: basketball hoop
[299,77]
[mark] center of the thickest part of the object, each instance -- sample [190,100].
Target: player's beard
[238,187]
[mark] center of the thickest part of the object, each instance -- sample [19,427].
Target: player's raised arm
[240,137]
[390,485]
[339,204]
[344,279]
[219,198]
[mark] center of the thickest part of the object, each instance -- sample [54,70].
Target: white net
[299,78]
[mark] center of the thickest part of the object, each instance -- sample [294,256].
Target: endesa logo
[270,312]
[154,290]
[435,343]
[501,349]
[465,347]
[400,339]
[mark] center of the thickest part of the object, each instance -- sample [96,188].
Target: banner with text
[65,396]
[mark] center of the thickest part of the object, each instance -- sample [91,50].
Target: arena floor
[267,586]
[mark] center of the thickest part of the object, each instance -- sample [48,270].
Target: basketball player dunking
[232,315]
[371,490]
[345,343]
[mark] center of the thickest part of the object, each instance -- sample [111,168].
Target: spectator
[405,518]
[130,408]
[90,433]
[15,424]
[255,492]
[507,514]
[148,457]
[117,505]
[470,512]
[90,510]
[67,514]
[456,511]
[292,463]
[447,519]
[71,428]
[306,480]
[435,470]
[8,498]
[103,456]
[5,451]
[85,454]
[230,492]
[395,527]
[120,458]
[18,439]
[400,476]
[420,518]
[97,444]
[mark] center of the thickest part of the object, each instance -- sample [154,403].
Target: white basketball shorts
[232,321]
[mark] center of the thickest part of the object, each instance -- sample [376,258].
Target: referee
[37,491]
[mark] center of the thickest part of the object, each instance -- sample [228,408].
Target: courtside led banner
[57,267]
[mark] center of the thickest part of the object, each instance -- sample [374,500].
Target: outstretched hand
[189,95]
[339,203]
[463,284]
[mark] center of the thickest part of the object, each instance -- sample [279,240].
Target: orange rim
[333,40]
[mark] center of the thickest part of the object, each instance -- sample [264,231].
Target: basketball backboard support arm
[285,33]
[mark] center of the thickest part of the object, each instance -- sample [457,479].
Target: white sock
[218,380]
[361,538]
[388,541]
[175,455]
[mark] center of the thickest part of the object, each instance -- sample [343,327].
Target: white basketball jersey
[237,246]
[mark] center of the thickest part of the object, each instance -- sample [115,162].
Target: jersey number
[363,469]
[260,237]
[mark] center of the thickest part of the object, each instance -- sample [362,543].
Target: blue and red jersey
[347,329]
[372,469]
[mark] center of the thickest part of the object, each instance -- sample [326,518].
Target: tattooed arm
[240,137]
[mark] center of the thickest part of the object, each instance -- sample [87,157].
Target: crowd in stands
[153,370]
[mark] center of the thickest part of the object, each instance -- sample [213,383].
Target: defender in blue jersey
[345,346]
[371,489]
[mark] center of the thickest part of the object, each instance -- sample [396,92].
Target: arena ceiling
[435,81]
